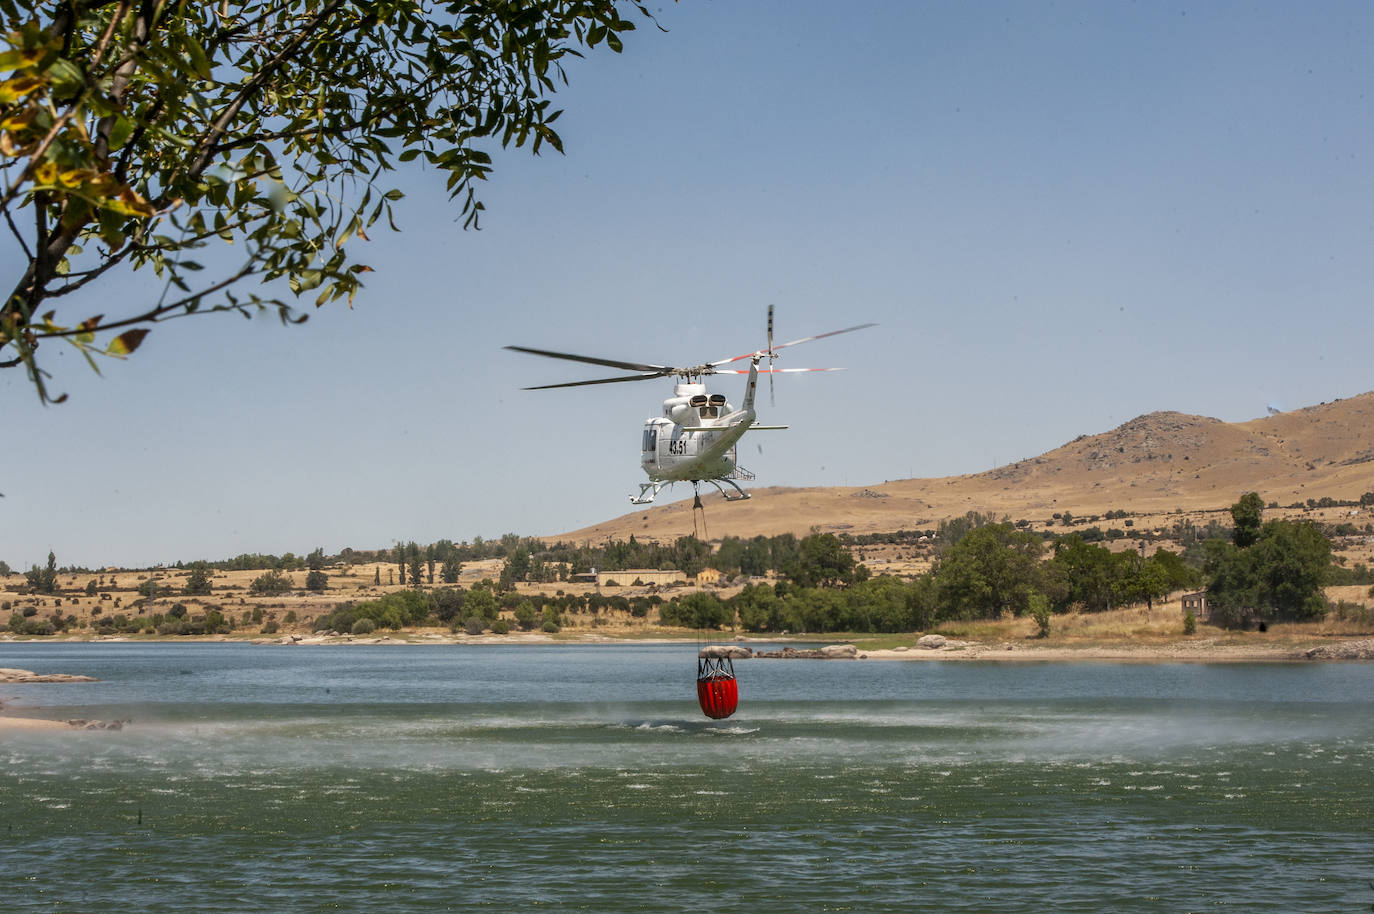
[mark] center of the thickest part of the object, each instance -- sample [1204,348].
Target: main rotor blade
[628,377]
[773,370]
[592,360]
[821,336]
[805,339]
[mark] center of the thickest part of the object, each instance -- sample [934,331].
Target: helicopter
[694,439]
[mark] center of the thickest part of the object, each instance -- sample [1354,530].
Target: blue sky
[1061,216]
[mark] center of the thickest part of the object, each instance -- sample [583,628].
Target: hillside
[1153,464]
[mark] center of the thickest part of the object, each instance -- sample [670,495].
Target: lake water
[434,778]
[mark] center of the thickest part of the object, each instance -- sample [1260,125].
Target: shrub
[551,619]
[271,627]
[364,627]
[500,627]
[1189,623]
[1354,612]
[473,625]
[1040,612]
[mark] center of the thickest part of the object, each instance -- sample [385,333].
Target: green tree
[823,561]
[517,564]
[690,555]
[135,134]
[993,569]
[526,615]
[1173,571]
[449,571]
[482,604]
[886,604]
[417,564]
[317,581]
[1086,572]
[271,584]
[758,607]
[1247,514]
[696,610]
[448,603]
[198,581]
[43,580]
[1279,577]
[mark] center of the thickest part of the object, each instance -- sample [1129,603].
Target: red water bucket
[717,691]
[718,697]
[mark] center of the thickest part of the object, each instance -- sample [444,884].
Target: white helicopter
[694,440]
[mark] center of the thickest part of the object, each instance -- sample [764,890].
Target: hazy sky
[1061,216]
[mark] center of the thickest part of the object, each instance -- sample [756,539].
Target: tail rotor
[772,356]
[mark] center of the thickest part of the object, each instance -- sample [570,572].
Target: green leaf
[199,60]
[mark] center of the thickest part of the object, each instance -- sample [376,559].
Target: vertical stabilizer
[752,384]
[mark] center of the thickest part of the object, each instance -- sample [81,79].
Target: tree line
[1254,571]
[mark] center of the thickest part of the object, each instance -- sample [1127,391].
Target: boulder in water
[9,675]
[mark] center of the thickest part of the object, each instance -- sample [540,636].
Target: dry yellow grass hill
[1152,465]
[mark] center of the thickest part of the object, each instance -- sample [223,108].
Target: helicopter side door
[653,438]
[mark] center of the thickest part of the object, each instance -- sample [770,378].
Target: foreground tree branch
[138,132]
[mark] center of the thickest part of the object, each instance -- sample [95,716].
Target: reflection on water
[429,778]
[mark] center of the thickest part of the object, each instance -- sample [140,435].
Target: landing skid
[652,488]
[648,491]
[740,494]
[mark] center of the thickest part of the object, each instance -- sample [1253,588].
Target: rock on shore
[1346,650]
[829,652]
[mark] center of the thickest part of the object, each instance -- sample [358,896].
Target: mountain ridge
[1158,462]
